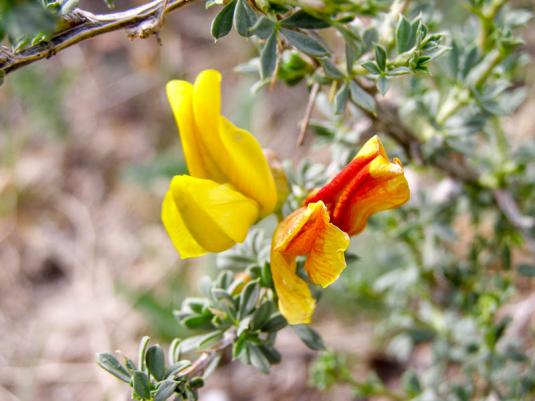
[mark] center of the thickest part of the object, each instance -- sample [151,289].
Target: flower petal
[182,239]
[367,185]
[326,260]
[295,300]
[216,215]
[306,232]
[247,168]
[200,163]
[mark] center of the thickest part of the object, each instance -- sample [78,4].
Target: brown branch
[387,121]
[80,25]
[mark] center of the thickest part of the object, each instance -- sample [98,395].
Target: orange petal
[306,232]
[295,300]
[367,185]
[326,261]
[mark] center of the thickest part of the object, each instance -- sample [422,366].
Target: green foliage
[437,274]
[29,22]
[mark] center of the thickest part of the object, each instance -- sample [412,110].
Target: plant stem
[141,22]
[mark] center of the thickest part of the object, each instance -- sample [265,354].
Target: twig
[308,113]
[455,165]
[140,22]
[200,365]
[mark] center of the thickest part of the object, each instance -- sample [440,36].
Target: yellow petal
[216,215]
[248,169]
[182,239]
[295,300]
[371,148]
[326,260]
[200,163]
[383,195]
[207,109]
[305,232]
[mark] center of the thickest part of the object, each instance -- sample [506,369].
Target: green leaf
[248,299]
[331,71]
[141,384]
[193,343]
[258,359]
[305,43]
[165,390]
[268,56]
[309,336]
[302,19]
[175,369]
[155,361]
[198,322]
[2,76]
[526,270]
[265,276]
[340,100]
[403,35]
[244,18]
[272,355]
[275,323]
[361,98]
[142,352]
[263,28]
[110,364]
[222,23]
[372,67]
[261,315]
[382,85]
[380,57]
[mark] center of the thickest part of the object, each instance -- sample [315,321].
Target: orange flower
[320,230]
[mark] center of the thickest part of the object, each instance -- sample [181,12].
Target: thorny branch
[79,25]
[387,120]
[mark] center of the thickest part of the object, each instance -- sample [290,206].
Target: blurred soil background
[87,145]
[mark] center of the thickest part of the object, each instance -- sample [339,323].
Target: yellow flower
[230,186]
[320,230]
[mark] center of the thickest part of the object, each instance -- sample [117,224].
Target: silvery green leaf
[331,71]
[268,56]
[275,323]
[340,100]
[257,358]
[307,44]
[404,38]
[263,28]
[177,367]
[309,336]
[380,56]
[222,23]
[248,299]
[372,67]
[361,98]
[165,390]
[154,359]
[141,384]
[261,315]
[301,19]
[110,364]
[244,18]
[382,84]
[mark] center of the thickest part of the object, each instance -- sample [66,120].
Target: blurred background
[87,146]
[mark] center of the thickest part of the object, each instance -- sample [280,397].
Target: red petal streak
[337,194]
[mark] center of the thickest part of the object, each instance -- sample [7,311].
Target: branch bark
[387,120]
[79,25]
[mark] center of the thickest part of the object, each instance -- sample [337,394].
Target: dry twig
[80,25]
[308,113]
